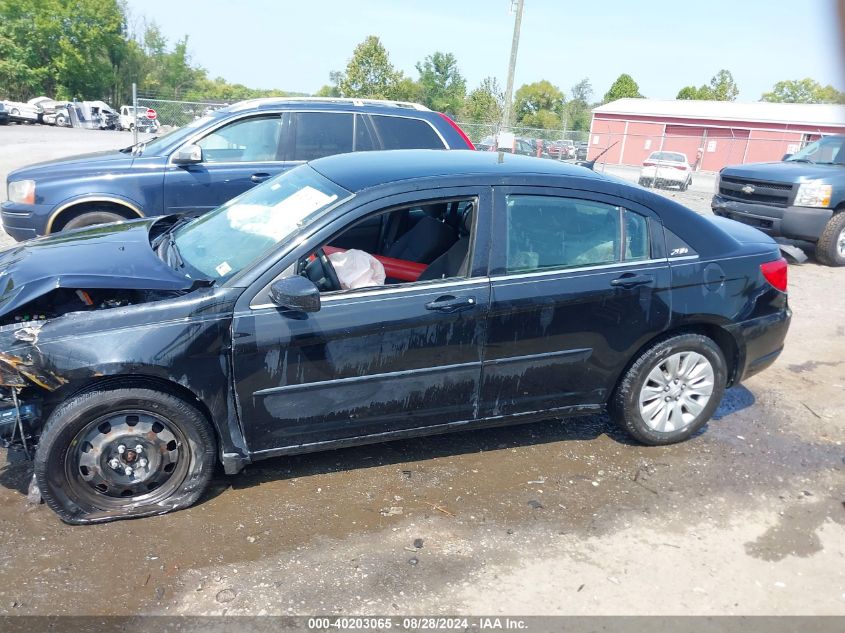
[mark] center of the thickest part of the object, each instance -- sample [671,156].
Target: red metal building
[712,134]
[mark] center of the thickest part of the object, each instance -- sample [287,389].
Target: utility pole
[506,122]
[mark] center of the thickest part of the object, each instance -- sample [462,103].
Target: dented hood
[117,256]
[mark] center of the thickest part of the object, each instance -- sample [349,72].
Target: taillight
[457,129]
[775,273]
[681,167]
[648,164]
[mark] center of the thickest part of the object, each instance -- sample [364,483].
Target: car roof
[270,103]
[362,170]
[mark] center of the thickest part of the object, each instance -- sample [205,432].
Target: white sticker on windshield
[280,220]
[223,269]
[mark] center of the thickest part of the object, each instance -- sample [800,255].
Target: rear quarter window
[405,133]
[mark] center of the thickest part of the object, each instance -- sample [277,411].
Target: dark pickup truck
[800,198]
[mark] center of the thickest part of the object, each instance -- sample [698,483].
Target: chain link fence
[481,132]
[178,113]
[704,149]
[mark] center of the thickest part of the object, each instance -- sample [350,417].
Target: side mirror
[188,155]
[785,156]
[295,293]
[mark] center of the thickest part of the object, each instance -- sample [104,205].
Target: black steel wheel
[121,453]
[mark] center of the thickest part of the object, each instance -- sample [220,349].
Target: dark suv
[213,159]
[800,198]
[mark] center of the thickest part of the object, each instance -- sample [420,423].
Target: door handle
[259,177]
[448,303]
[630,280]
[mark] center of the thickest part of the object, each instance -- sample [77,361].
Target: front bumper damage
[22,381]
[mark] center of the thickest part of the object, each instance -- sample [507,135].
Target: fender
[131,205]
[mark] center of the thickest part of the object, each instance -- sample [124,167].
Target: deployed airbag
[357,269]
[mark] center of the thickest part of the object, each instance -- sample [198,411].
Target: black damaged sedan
[366,297]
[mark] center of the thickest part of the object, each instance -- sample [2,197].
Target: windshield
[152,147]
[223,242]
[825,151]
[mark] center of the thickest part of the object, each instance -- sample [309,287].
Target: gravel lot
[557,517]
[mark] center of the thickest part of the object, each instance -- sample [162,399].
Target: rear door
[579,283]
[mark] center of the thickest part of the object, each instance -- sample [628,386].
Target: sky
[664,45]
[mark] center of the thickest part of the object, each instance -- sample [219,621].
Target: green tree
[485,104]
[532,99]
[577,109]
[693,93]
[407,89]
[722,88]
[803,91]
[62,49]
[441,85]
[623,88]
[369,72]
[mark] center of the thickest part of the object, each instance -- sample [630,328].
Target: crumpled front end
[23,382]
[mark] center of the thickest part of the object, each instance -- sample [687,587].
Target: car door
[579,284]
[372,361]
[235,156]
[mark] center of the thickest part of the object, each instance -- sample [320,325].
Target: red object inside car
[400,269]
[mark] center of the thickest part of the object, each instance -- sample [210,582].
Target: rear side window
[547,232]
[318,134]
[404,133]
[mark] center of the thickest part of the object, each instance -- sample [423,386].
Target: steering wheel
[328,269]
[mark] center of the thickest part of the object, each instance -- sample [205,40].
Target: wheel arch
[149,381]
[68,210]
[726,341]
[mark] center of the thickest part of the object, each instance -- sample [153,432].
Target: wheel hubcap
[127,456]
[840,243]
[676,391]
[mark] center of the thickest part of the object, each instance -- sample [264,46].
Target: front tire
[671,390]
[90,218]
[830,249]
[117,453]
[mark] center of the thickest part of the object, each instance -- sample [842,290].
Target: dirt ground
[557,517]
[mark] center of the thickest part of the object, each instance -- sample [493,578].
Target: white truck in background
[130,119]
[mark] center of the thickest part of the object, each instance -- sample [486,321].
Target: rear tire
[671,390]
[90,218]
[830,249]
[90,441]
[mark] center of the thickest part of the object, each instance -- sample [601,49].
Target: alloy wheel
[676,391]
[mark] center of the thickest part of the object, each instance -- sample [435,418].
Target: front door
[236,157]
[576,290]
[377,360]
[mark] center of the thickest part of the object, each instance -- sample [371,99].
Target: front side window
[548,232]
[248,140]
[420,242]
